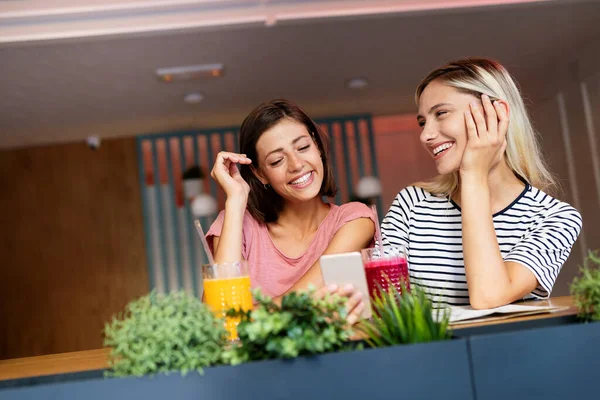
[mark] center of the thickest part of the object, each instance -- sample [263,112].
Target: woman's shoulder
[414,195]
[353,206]
[351,211]
[551,206]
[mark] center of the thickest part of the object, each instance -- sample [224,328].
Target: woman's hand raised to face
[226,173]
[486,136]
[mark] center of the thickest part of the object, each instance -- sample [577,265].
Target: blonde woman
[486,230]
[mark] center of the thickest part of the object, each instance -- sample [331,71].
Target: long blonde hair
[523,154]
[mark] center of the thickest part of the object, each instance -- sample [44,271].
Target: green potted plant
[405,317]
[300,350]
[164,333]
[301,325]
[280,338]
[585,288]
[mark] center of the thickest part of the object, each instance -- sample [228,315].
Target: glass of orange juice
[227,285]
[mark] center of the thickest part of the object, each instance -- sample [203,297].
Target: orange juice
[225,293]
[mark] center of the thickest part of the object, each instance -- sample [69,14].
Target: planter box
[561,362]
[422,371]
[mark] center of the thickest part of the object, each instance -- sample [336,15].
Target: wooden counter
[51,364]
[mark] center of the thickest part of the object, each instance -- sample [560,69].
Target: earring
[267,186]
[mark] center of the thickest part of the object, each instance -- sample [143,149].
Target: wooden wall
[71,244]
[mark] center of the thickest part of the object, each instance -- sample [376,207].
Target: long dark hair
[263,202]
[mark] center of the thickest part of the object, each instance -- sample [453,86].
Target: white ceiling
[67,89]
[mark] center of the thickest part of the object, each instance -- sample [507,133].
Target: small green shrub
[164,333]
[407,317]
[302,325]
[586,288]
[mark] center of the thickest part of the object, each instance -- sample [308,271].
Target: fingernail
[474,104]
[352,319]
[485,96]
[358,296]
[348,288]
[332,287]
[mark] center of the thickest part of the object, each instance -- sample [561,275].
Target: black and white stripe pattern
[536,230]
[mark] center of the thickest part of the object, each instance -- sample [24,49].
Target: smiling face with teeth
[441,116]
[289,161]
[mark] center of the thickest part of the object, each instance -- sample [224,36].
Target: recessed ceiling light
[357,83]
[193,98]
[190,72]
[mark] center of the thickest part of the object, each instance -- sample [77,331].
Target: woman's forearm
[229,247]
[487,276]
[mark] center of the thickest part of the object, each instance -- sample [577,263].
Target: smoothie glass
[385,268]
[227,285]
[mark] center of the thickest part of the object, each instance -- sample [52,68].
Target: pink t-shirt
[271,270]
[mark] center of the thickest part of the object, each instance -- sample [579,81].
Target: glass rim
[373,252]
[225,263]
[225,270]
[388,246]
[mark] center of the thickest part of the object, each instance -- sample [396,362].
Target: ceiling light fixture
[193,98]
[357,83]
[190,72]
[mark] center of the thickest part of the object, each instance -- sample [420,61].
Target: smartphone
[347,268]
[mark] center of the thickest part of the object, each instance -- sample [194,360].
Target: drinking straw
[211,260]
[377,230]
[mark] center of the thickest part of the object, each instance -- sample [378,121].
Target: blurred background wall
[72,242]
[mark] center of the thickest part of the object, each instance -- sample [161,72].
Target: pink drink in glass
[383,271]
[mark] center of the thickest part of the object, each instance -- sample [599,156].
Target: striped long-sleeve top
[535,230]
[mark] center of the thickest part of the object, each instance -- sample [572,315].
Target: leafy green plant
[586,288]
[407,317]
[302,325]
[163,333]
